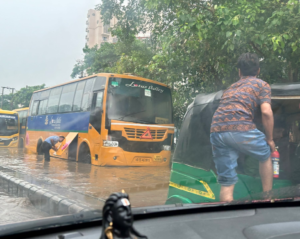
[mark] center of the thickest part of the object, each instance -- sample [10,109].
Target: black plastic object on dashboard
[117,218]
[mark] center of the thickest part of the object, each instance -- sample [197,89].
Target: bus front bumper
[115,156]
[9,142]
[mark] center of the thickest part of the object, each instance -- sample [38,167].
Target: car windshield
[183,103]
[136,101]
[8,124]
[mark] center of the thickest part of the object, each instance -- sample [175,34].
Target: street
[85,183]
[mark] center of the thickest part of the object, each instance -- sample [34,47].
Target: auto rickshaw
[193,176]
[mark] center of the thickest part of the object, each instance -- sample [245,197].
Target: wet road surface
[89,184]
[17,209]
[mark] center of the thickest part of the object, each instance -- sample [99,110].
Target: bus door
[23,122]
[96,112]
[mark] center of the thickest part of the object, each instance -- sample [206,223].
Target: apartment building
[97,31]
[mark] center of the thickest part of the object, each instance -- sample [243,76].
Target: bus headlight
[166,147]
[108,143]
[14,138]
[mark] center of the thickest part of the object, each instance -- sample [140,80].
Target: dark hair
[106,217]
[62,136]
[248,63]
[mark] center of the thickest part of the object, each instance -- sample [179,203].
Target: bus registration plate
[110,143]
[141,159]
[157,158]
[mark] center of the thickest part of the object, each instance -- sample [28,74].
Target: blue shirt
[54,138]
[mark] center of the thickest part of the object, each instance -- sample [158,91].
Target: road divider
[44,200]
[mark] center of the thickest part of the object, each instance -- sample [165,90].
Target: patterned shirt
[238,104]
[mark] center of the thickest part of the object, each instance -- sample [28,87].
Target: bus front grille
[133,133]
[140,146]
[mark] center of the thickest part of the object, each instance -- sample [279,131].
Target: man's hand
[54,148]
[272,145]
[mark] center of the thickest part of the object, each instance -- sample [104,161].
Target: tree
[96,59]
[195,44]
[21,98]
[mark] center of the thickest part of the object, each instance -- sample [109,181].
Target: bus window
[44,94]
[34,107]
[96,113]
[86,101]
[66,99]
[100,83]
[8,124]
[42,107]
[34,98]
[78,96]
[53,100]
[141,102]
[99,99]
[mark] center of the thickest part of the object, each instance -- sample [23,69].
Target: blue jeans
[226,147]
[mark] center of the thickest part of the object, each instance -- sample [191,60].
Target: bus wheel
[84,154]
[39,147]
[21,143]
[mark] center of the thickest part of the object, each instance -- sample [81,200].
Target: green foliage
[96,60]
[195,44]
[21,98]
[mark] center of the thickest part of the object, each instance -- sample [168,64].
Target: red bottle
[275,160]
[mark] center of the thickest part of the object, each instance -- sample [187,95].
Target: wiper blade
[133,113]
[143,121]
[50,222]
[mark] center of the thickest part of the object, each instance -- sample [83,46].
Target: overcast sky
[40,40]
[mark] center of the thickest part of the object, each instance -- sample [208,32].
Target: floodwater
[14,209]
[85,183]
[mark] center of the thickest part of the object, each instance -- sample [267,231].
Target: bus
[9,128]
[22,113]
[107,120]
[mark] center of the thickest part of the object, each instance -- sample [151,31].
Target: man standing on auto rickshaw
[233,130]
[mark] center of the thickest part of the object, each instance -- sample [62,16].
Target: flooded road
[146,186]
[17,209]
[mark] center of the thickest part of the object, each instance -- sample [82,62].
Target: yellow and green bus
[107,120]
[22,113]
[9,128]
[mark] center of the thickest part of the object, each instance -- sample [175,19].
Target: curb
[44,200]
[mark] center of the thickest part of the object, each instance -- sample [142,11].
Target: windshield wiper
[122,117]
[143,121]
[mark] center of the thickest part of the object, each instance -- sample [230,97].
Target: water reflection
[147,186]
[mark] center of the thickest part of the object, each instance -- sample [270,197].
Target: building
[97,31]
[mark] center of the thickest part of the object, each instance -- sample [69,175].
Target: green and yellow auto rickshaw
[193,176]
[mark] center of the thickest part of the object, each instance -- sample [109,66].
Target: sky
[40,40]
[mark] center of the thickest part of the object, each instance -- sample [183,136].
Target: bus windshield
[138,101]
[8,125]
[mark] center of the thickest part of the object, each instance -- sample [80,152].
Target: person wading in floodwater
[50,143]
[233,130]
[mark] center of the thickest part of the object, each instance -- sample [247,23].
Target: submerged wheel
[21,143]
[39,147]
[84,154]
